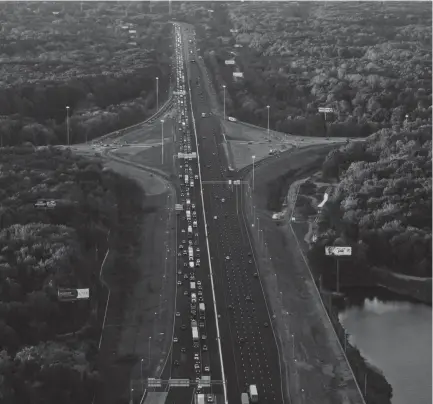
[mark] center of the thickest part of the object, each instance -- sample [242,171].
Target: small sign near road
[230,62]
[68,295]
[326,110]
[338,251]
[45,204]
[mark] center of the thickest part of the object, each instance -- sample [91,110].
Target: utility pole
[157,94]
[254,157]
[224,87]
[67,124]
[268,107]
[162,141]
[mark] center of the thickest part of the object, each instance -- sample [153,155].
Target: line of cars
[189,254]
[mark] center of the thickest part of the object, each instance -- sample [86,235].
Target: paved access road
[249,348]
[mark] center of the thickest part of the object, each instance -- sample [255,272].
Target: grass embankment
[378,391]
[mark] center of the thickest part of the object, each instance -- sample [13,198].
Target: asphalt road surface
[182,363]
[249,349]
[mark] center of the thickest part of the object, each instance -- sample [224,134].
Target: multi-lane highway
[228,278]
[250,353]
[191,358]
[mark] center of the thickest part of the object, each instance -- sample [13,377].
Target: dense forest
[99,60]
[48,347]
[382,205]
[370,62]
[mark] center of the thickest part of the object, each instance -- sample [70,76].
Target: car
[200,287]
[266,324]
[200,293]
[183,349]
[215,217]
[227,257]
[182,231]
[179,283]
[183,241]
[179,254]
[209,396]
[256,275]
[241,340]
[203,337]
[248,298]
[195,344]
[185,293]
[191,277]
[185,276]
[198,283]
[198,249]
[196,357]
[185,252]
[201,324]
[230,307]
[185,264]
[175,339]
[207,369]
[177,314]
[180,247]
[176,363]
[200,299]
[223,200]
[183,327]
[250,261]
[195,242]
[204,348]
[179,272]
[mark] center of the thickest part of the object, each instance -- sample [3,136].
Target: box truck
[254,396]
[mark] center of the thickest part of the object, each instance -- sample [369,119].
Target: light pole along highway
[268,107]
[162,141]
[224,88]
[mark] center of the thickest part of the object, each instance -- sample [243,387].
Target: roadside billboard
[338,251]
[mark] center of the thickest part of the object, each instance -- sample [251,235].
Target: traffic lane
[216,172]
[242,313]
[228,344]
[210,325]
[234,241]
[270,354]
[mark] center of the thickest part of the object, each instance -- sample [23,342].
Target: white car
[177,314]
[175,339]
[207,369]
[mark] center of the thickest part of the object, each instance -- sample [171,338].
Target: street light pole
[254,157]
[150,338]
[157,94]
[162,141]
[67,124]
[141,372]
[224,87]
[268,106]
